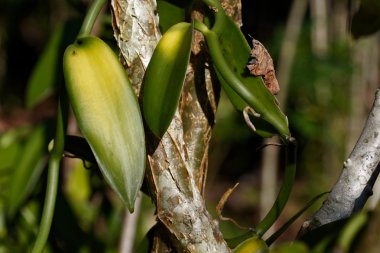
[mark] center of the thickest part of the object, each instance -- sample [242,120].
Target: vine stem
[219,15]
[90,18]
[285,190]
[264,105]
[59,142]
[283,196]
[53,176]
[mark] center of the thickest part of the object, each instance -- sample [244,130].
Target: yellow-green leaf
[108,114]
[164,77]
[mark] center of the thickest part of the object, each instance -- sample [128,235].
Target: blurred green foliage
[319,109]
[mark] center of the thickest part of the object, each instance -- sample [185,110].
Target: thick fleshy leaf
[252,245]
[235,241]
[230,53]
[164,77]
[251,89]
[170,14]
[108,114]
[292,247]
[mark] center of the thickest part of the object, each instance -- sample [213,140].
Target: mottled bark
[354,186]
[177,163]
[135,24]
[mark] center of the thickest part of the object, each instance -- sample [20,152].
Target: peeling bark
[198,107]
[354,186]
[135,25]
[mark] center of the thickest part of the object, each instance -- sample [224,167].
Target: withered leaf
[261,64]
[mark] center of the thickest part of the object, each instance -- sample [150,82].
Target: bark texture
[177,163]
[354,186]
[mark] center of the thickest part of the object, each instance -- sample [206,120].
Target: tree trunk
[177,163]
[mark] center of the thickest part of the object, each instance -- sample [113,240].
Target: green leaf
[165,76]
[169,14]
[235,241]
[291,247]
[284,227]
[27,170]
[351,230]
[78,193]
[146,243]
[252,245]
[284,192]
[10,148]
[42,81]
[236,51]
[230,54]
[107,113]
[47,72]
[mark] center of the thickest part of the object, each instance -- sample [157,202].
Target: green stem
[285,190]
[219,15]
[254,93]
[90,17]
[52,183]
[218,58]
[287,224]
[201,27]
[227,74]
[262,105]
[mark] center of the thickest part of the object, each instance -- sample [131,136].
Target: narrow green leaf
[47,72]
[27,170]
[42,80]
[351,230]
[78,194]
[284,192]
[145,245]
[10,148]
[284,227]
